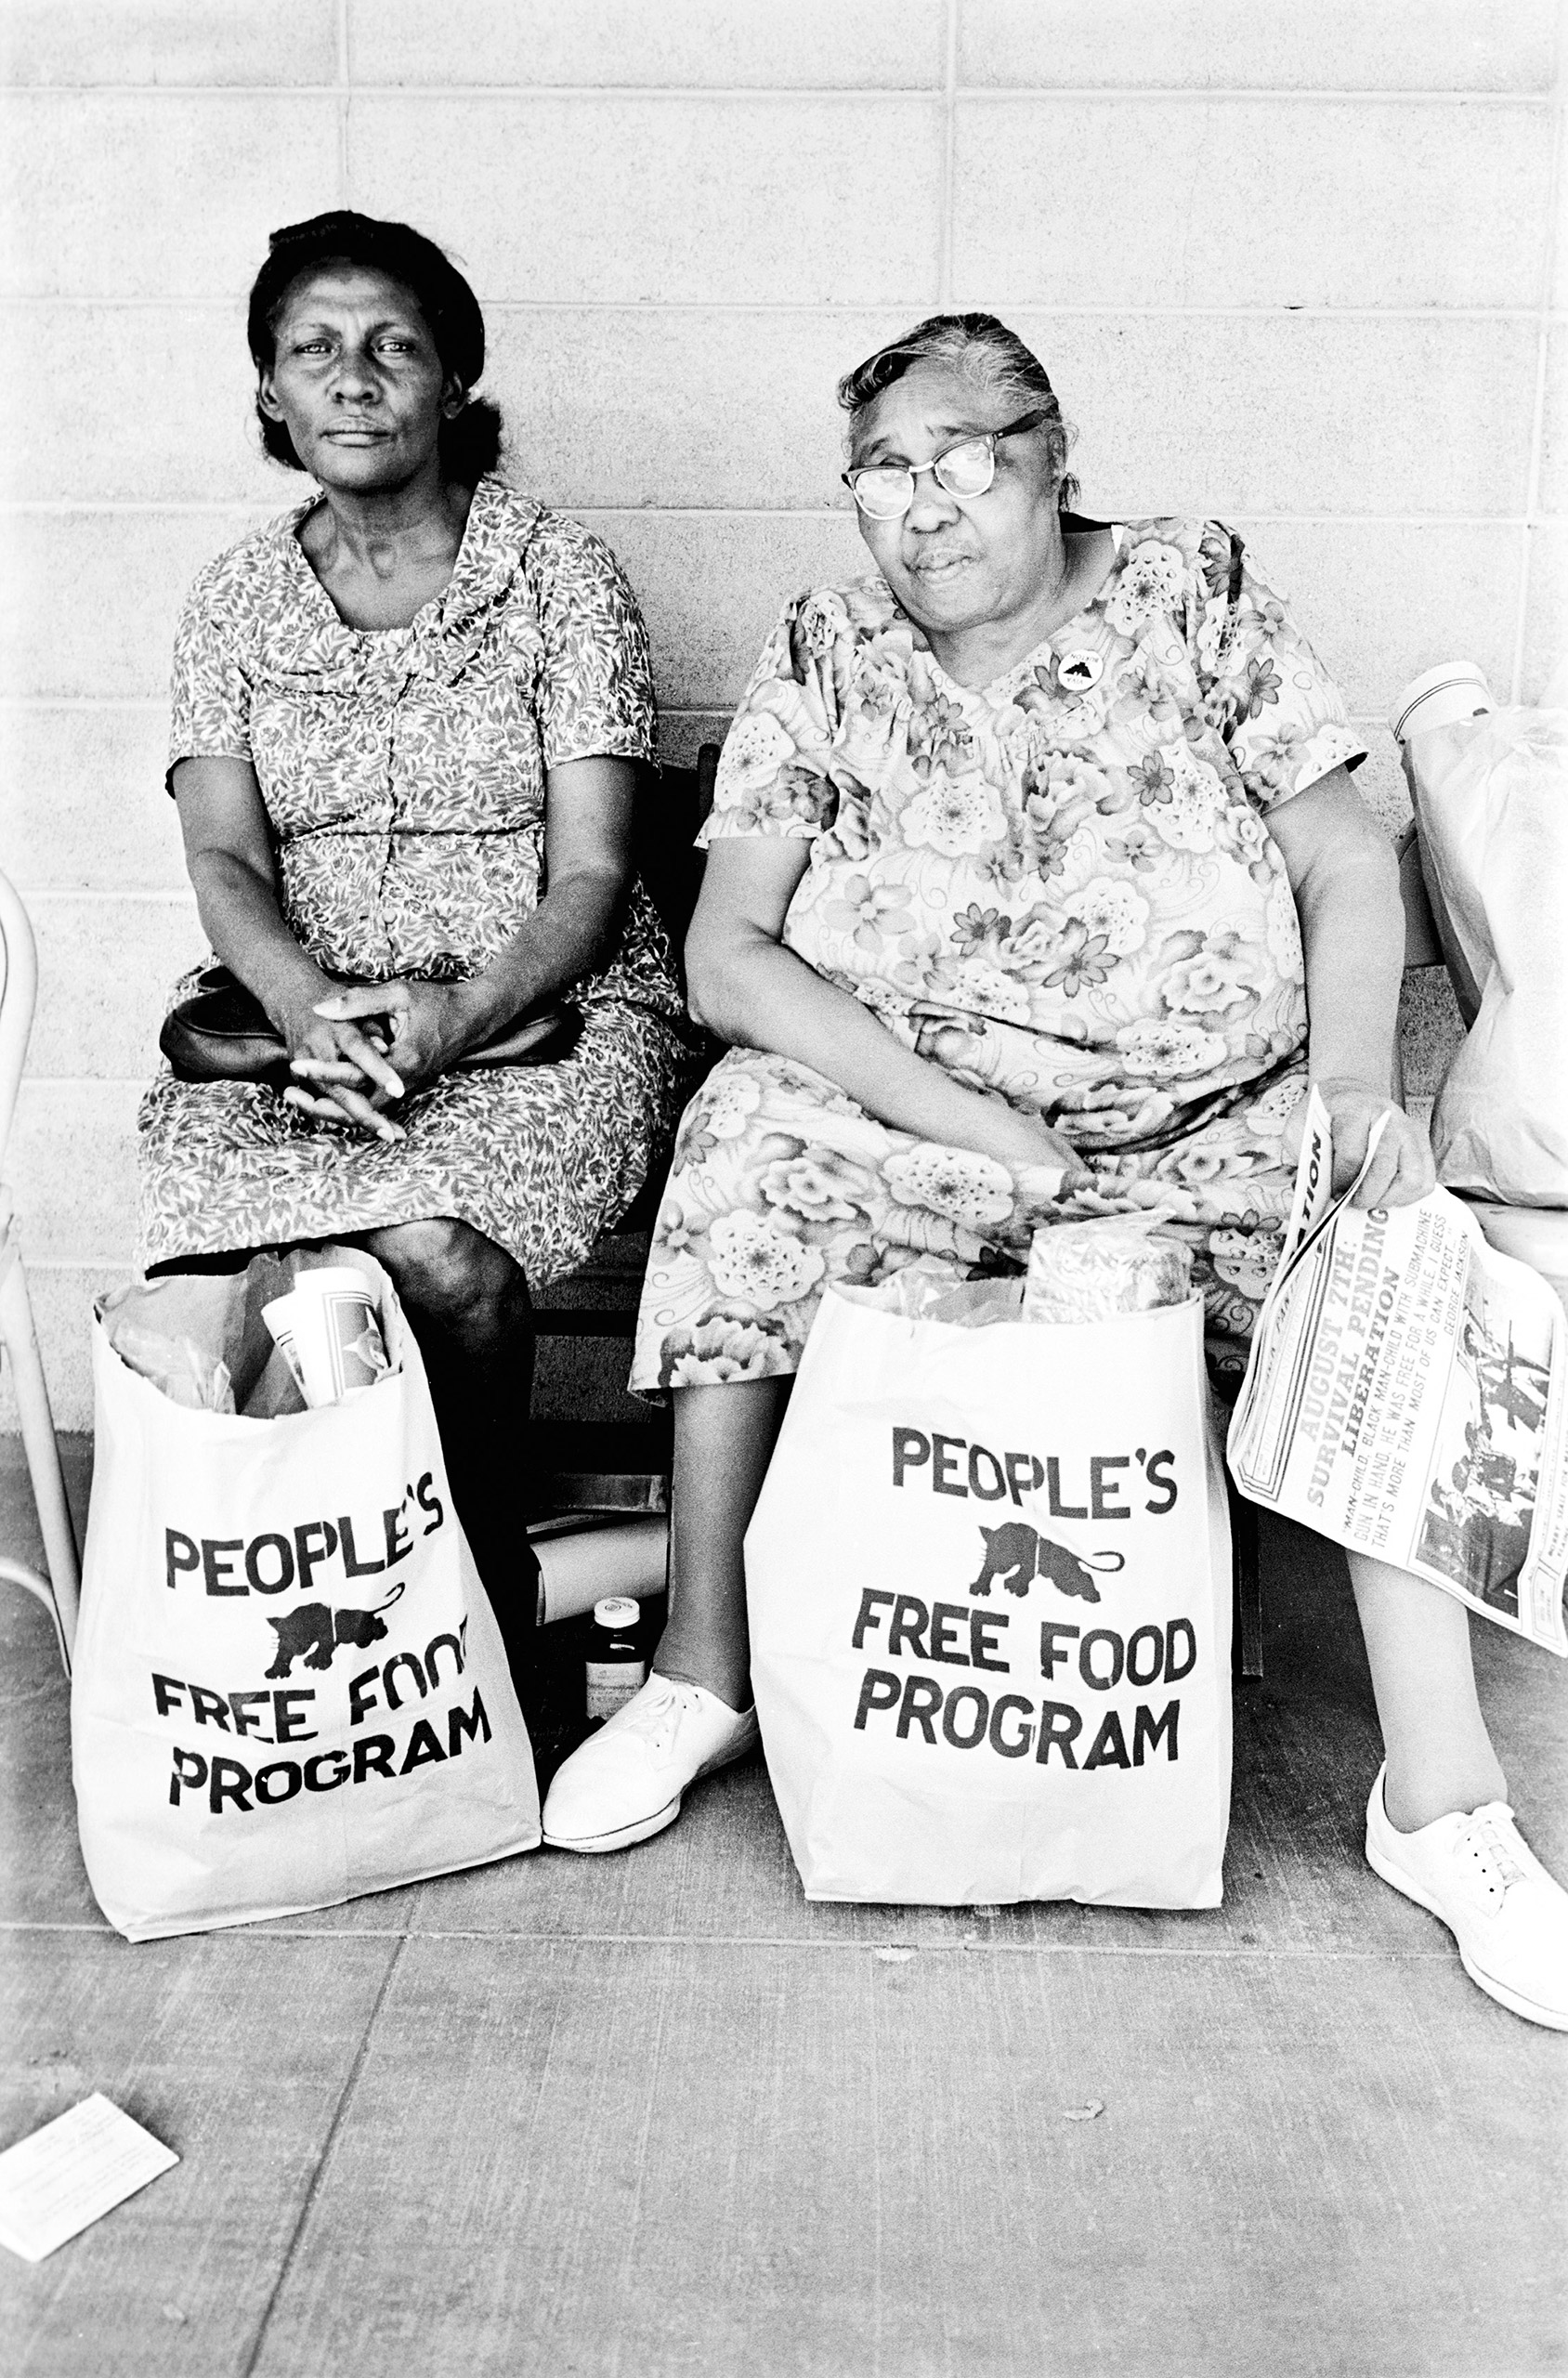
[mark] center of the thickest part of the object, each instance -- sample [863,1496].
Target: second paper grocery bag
[989,1582]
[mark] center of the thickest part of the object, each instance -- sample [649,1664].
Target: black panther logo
[313,1632]
[1016,1553]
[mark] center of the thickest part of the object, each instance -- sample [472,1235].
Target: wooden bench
[593,1448]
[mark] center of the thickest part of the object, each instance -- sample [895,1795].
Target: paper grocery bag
[989,1588]
[1491,801]
[288,1686]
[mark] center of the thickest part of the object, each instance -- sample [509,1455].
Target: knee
[447,1271]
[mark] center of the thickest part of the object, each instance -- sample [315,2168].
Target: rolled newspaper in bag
[1444,702]
[1441,696]
[328,1329]
[580,1569]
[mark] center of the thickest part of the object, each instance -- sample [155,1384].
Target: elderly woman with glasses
[1037,889]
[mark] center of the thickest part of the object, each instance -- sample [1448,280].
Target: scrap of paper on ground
[71,2173]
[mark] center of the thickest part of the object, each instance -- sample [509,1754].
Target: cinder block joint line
[36,1263]
[71,507]
[1193,94]
[949,143]
[345,182]
[1538,422]
[205,301]
[82,701]
[46,888]
[799,95]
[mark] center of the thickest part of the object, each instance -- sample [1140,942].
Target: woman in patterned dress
[406,719]
[1014,851]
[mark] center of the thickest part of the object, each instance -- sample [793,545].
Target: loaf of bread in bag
[1089,1271]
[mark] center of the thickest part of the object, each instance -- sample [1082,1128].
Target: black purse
[223,1033]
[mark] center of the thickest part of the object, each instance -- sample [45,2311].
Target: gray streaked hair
[991,355]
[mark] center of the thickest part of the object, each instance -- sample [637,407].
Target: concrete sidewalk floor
[656,2113]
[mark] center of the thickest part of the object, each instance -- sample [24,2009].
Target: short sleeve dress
[1062,888]
[403,773]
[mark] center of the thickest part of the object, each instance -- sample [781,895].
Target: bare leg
[724,1442]
[468,1303]
[1440,1756]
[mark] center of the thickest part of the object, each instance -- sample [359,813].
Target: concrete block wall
[1293,266]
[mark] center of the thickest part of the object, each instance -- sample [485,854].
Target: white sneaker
[625,1782]
[1480,1876]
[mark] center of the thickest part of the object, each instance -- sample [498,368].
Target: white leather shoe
[625,1782]
[1480,1876]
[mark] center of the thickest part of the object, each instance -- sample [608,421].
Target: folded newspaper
[1407,1396]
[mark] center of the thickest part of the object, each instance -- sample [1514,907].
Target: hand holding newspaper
[1407,1397]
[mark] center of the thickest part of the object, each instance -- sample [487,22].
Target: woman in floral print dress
[405,721]
[1059,887]
[1037,888]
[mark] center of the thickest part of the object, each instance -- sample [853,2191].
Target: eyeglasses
[885,491]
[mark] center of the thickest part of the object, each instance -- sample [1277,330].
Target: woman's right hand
[339,1066]
[751,990]
[1027,1145]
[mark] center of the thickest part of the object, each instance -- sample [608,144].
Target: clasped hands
[365,1048]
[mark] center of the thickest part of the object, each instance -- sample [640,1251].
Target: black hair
[992,353]
[470,443]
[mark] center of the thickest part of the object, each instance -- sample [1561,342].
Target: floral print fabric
[781,1184]
[404,769]
[404,776]
[1062,888]
[540,1158]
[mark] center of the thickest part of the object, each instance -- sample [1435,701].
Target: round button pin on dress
[1081,668]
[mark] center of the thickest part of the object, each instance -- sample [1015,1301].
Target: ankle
[1415,1797]
[726,1684]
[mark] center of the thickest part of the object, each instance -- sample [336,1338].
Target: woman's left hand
[1401,1169]
[429,1027]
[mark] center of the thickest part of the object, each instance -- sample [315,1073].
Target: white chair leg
[20,1341]
[16,1573]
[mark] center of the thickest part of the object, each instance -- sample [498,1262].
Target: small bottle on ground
[615,1667]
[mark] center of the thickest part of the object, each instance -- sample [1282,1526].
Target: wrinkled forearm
[570,933]
[756,994]
[1352,935]
[238,906]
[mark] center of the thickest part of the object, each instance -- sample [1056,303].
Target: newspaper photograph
[1407,1396]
